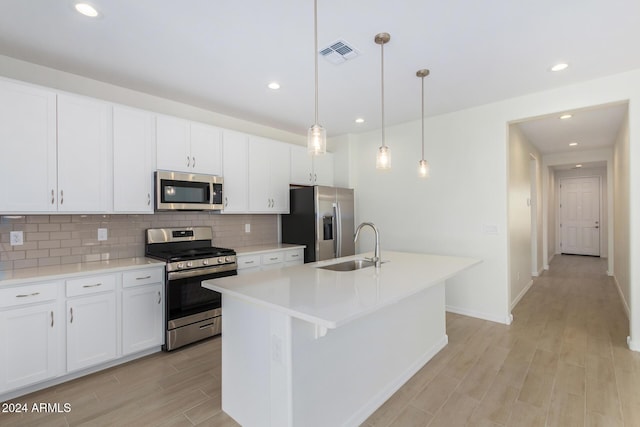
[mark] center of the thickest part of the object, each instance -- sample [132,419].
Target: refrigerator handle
[337,238]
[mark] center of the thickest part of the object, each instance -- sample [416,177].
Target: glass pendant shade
[316,140]
[383,159]
[423,169]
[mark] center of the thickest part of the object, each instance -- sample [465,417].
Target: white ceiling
[220,55]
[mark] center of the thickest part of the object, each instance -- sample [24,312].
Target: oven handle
[174,275]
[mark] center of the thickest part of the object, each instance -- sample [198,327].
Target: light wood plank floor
[563,362]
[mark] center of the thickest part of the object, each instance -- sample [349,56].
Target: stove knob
[189,264]
[180,265]
[220,260]
[205,262]
[228,259]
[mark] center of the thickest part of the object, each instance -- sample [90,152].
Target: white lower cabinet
[142,308]
[261,260]
[110,316]
[91,330]
[29,332]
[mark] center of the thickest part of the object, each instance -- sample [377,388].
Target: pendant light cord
[422,118]
[382,85]
[315,52]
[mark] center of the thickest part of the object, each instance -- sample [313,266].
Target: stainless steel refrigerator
[322,219]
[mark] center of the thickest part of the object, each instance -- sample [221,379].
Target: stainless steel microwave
[178,191]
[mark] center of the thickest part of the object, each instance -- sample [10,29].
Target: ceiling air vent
[339,52]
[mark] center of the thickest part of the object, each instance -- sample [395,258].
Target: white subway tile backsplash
[66,239]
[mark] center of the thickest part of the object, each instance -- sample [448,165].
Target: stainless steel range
[192,312]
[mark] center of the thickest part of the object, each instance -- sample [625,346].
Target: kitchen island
[309,346]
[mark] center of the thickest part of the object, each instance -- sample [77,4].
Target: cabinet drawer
[272,258]
[90,285]
[29,294]
[248,261]
[142,277]
[294,255]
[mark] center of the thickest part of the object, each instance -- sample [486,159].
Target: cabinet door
[133,160]
[279,177]
[29,350]
[206,149]
[172,144]
[301,166]
[323,169]
[142,326]
[260,198]
[91,330]
[235,171]
[28,160]
[84,153]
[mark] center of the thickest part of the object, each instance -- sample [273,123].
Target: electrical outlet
[16,238]
[102,234]
[247,228]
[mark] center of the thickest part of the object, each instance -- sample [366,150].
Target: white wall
[468,186]
[520,206]
[621,219]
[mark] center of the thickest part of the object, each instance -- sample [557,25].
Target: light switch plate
[102,234]
[16,238]
[247,228]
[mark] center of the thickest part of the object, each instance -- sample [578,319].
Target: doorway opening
[579,211]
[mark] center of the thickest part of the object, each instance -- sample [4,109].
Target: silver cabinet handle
[193,164]
[310,177]
[248,262]
[188,161]
[52,318]
[27,295]
[273,259]
[143,278]
[295,255]
[315,177]
[226,202]
[148,199]
[61,197]
[159,297]
[53,197]
[92,286]
[71,312]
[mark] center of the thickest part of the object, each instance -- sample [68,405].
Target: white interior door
[580,216]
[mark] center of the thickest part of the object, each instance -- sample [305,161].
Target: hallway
[563,362]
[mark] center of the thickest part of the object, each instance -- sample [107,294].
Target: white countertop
[257,249]
[55,272]
[333,298]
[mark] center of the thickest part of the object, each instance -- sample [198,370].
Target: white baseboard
[479,315]
[370,407]
[521,294]
[633,345]
[622,298]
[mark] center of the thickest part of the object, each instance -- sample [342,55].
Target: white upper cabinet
[133,160]
[185,146]
[28,141]
[269,167]
[310,170]
[84,153]
[235,171]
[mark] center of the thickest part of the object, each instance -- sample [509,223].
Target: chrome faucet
[376,254]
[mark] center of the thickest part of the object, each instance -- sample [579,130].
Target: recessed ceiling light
[560,66]
[359,120]
[274,85]
[86,9]
[565,116]
[573,144]
[578,166]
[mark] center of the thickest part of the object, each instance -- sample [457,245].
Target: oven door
[185,191]
[186,298]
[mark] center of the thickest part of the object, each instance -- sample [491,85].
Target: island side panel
[342,378]
[256,365]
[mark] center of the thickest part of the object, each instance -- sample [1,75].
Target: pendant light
[383,159]
[423,165]
[317,135]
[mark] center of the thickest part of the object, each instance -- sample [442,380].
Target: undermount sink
[354,264]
